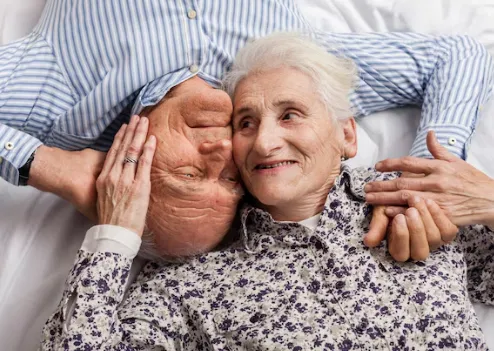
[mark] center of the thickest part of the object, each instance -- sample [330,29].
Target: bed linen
[40,234]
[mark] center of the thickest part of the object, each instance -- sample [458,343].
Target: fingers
[432,232]
[144,167]
[399,239]
[135,148]
[419,184]
[407,237]
[392,198]
[407,164]
[112,153]
[378,227]
[117,168]
[419,248]
[393,211]
[447,229]
[437,150]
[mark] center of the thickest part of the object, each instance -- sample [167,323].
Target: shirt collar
[259,229]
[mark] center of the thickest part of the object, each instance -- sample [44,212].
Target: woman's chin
[271,197]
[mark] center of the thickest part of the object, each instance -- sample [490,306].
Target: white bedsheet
[40,234]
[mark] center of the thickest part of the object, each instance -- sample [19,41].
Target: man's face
[195,187]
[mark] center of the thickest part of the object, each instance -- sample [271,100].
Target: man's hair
[333,76]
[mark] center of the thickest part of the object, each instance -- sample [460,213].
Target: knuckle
[134,149]
[404,195]
[408,161]
[112,179]
[402,184]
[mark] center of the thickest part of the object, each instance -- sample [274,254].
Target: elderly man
[89,64]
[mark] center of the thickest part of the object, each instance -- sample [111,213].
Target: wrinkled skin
[195,187]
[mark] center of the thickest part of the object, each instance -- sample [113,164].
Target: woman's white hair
[333,76]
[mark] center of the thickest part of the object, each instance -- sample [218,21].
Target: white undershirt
[311,222]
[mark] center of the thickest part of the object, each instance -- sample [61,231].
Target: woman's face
[285,144]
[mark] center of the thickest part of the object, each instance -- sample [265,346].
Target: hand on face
[463,192]
[124,187]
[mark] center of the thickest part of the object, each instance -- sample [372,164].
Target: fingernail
[379,164]
[413,213]
[429,202]
[367,188]
[144,120]
[388,211]
[370,197]
[401,219]
[416,199]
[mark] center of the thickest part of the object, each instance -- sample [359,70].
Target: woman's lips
[273,167]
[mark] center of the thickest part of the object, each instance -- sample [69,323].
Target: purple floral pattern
[282,286]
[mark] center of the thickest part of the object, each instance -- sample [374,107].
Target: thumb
[378,227]
[437,150]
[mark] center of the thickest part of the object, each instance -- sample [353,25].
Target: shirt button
[192,14]
[452,141]
[194,68]
[481,107]
[9,145]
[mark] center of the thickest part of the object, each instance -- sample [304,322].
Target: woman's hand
[463,192]
[124,184]
[413,232]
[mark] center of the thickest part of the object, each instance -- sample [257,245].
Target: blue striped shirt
[88,64]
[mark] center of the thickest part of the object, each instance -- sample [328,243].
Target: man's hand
[414,233]
[463,192]
[69,174]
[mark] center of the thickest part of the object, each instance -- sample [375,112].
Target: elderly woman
[299,277]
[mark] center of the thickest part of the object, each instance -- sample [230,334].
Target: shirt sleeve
[15,149]
[477,243]
[97,282]
[111,238]
[33,95]
[450,77]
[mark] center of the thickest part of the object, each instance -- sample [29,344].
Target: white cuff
[111,238]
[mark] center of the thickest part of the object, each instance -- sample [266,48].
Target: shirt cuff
[452,137]
[15,149]
[111,238]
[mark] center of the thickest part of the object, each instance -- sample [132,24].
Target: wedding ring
[130,160]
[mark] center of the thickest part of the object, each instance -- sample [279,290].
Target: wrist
[45,173]
[488,218]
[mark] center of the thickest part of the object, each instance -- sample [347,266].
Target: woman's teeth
[279,164]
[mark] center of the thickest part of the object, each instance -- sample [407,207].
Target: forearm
[449,76]
[87,314]
[459,85]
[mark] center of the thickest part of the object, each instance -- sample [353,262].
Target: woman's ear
[349,138]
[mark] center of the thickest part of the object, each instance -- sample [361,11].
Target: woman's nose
[219,156]
[267,140]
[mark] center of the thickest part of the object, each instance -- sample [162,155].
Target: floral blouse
[283,286]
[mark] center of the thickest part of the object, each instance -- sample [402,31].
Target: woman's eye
[188,175]
[289,116]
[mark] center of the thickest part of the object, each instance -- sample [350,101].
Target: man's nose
[219,156]
[267,139]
